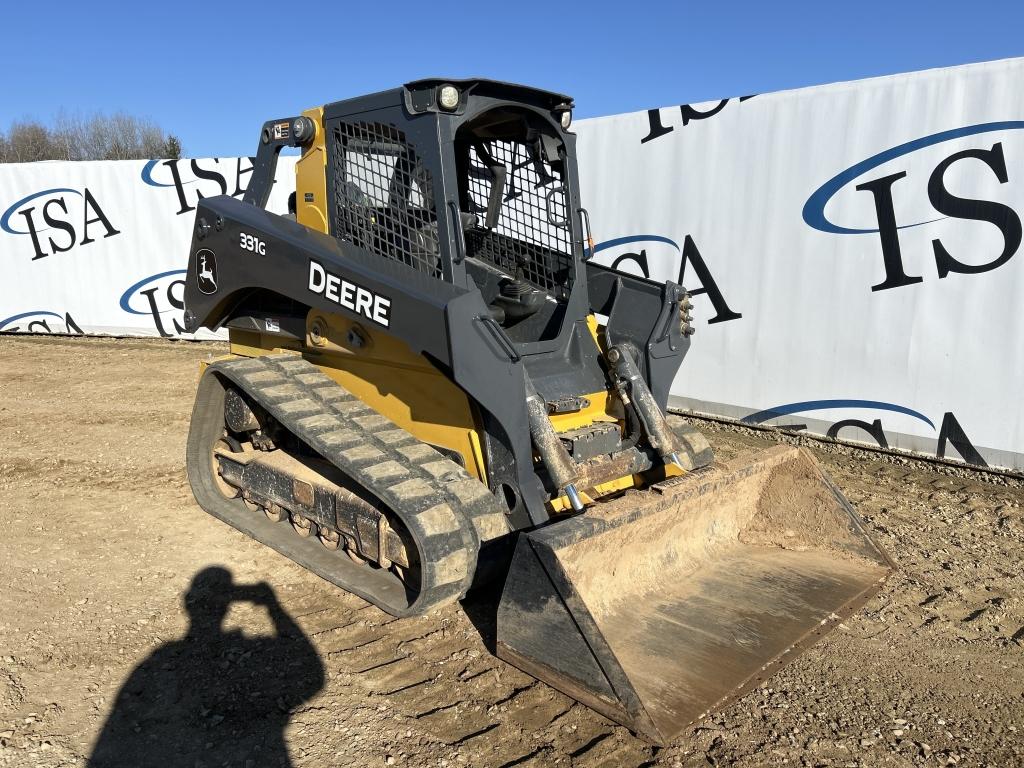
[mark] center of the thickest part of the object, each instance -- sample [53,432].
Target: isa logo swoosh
[814,209]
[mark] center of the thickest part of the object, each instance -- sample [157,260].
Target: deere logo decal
[206,271]
[344,293]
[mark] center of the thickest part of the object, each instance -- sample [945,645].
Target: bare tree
[65,138]
[100,137]
[28,141]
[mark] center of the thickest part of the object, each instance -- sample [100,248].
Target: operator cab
[510,166]
[472,182]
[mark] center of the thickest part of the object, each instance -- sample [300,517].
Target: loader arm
[649,318]
[254,249]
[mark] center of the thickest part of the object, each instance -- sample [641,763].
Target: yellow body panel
[311,178]
[386,375]
[596,411]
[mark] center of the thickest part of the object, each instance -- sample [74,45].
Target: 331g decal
[251,243]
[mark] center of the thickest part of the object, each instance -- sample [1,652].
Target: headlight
[448,97]
[566,119]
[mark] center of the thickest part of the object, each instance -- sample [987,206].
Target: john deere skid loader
[431,386]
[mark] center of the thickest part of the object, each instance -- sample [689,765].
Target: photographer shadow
[213,698]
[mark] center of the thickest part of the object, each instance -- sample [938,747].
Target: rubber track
[448,513]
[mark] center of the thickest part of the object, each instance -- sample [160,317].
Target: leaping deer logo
[207,278]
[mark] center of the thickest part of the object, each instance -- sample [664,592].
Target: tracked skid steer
[431,386]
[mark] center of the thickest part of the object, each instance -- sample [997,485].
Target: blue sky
[212,72]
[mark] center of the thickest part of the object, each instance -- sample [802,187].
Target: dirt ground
[100,541]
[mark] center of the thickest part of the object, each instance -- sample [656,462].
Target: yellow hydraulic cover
[311,178]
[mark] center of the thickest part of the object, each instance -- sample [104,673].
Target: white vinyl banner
[101,247]
[851,250]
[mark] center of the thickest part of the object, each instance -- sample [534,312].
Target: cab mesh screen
[531,238]
[383,196]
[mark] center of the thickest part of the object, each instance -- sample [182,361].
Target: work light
[448,97]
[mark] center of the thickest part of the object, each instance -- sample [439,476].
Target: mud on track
[100,540]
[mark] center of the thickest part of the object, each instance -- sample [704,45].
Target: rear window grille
[383,196]
[531,238]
